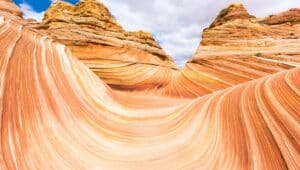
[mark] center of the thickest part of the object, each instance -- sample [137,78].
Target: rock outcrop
[90,22]
[237,48]
[253,34]
[92,34]
[232,12]
[291,16]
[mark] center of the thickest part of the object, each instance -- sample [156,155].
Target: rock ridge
[90,21]
[232,12]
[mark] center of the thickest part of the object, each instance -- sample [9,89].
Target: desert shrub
[258,54]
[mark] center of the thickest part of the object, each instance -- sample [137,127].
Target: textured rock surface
[8,6]
[92,34]
[238,48]
[232,12]
[57,114]
[90,21]
[292,16]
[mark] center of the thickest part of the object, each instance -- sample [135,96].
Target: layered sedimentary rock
[127,60]
[225,57]
[6,5]
[292,16]
[57,114]
[237,47]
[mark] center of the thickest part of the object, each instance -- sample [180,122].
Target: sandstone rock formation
[238,47]
[6,5]
[231,13]
[291,16]
[55,113]
[129,61]
[125,61]
[93,35]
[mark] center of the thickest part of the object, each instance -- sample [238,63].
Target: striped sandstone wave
[236,48]
[57,114]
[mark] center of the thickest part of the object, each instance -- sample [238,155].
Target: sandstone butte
[56,113]
[120,58]
[238,47]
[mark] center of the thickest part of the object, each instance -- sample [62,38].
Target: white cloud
[29,12]
[178,24]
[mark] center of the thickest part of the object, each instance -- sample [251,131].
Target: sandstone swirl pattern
[57,114]
[236,48]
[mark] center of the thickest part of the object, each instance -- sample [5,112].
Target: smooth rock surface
[56,113]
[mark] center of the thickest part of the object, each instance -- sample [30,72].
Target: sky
[176,24]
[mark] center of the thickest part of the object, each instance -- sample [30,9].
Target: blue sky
[39,5]
[176,24]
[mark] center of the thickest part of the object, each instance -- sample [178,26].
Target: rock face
[237,48]
[92,34]
[252,32]
[90,22]
[232,12]
[57,114]
[291,16]
[8,6]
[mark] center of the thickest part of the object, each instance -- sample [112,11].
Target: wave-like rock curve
[57,114]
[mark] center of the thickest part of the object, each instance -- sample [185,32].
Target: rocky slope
[237,47]
[55,113]
[92,34]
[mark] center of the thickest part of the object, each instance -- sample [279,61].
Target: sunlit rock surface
[238,47]
[124,60]
[225,57]
[55,113]
[12,8]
